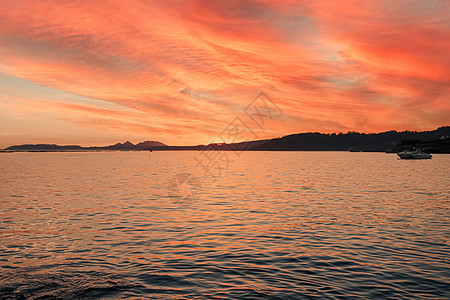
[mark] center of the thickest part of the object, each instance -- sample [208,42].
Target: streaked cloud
[180,71]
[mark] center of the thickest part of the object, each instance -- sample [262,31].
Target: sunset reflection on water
[274,224]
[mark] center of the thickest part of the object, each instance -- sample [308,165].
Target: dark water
[275,225]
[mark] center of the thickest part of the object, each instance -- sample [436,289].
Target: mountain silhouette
[127,146]
[434,141]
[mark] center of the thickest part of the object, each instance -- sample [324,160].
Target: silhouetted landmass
[44,147]
[434,141]
[119,146]
[127,146]
[147,145]
[390,141]
[215,146]
[435,146]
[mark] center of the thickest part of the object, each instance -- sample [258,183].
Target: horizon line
[248,141]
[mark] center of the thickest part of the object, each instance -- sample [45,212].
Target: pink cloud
[190,68]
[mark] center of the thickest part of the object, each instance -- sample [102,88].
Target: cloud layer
[180,71]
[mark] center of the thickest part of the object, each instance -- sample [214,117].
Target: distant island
[127,146]
[435,141]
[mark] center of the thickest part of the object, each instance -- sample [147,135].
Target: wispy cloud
[186,68]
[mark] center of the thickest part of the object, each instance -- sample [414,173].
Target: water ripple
[287,225]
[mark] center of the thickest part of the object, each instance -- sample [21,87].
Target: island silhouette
[434,141]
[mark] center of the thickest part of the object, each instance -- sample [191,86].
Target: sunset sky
[100,72]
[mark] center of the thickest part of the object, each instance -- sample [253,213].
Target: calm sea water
[274,225]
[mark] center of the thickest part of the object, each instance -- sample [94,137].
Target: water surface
[275,225]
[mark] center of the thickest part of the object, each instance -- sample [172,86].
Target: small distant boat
[414,154]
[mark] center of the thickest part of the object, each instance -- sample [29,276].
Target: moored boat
[414,154]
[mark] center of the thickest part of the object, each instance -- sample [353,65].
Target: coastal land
[434,141]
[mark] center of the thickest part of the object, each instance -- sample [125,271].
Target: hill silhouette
[127,146]
[433,141]
[353,141]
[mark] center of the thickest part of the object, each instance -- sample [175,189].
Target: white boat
[414,154]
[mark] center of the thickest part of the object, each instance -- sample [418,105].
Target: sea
[223,225]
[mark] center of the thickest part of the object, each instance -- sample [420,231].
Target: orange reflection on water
[271,219]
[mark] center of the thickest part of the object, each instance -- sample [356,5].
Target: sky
[182,72]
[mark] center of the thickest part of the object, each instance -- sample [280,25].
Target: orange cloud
[189,69]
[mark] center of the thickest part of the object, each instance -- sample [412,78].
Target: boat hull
[414,155]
